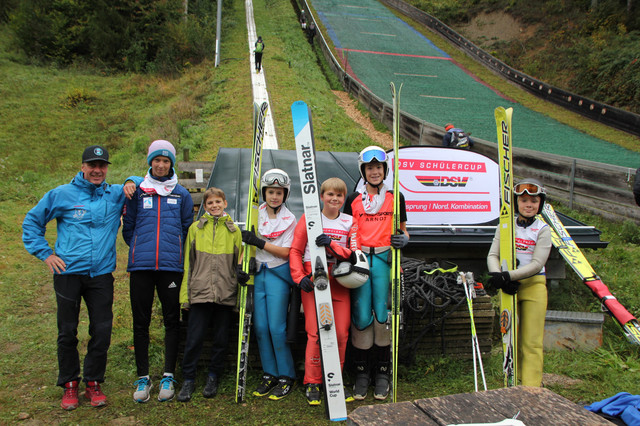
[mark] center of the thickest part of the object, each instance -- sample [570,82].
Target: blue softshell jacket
[88,218]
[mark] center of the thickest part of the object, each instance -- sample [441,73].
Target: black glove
[399,240]
[323,240]
[249,237]
[499,279]
[306,284]
[243,277]
[511,287]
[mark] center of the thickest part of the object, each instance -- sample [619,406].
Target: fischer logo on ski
[245,294]
[329,353]
[508,303]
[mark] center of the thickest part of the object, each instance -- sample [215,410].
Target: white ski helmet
[373,154]
[352,275]
[275,178]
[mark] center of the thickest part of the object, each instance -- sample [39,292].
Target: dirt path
[382,139]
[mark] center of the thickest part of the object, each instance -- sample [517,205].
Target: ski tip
[298,104]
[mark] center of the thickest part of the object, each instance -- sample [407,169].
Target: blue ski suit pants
[271,302]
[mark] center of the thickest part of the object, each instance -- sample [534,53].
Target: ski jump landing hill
[367,46]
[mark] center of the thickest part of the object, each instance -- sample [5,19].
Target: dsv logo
[454,181]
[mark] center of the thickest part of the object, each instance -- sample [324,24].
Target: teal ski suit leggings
[373,297]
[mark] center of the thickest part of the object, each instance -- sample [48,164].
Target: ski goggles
[273,178]
[374,154]
[529,188]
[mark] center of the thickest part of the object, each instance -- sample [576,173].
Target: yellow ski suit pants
[532,309]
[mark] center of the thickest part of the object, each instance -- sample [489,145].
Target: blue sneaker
[167,389]
[142,391]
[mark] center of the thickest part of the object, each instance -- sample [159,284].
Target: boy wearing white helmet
[533,244]
[372,209]
[273,285]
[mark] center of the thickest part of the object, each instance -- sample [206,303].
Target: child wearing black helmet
[533,244]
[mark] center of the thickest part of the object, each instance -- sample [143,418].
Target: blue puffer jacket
[88,218]
[155,229]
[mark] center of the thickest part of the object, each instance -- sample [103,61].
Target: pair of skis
[396,269]
[508,303]
[245,294]
[330,356]
[575,258]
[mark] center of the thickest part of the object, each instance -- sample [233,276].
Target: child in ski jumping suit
[533,244]
[155,224]
[372,210]
[273,285]
[209,289]
[337,227]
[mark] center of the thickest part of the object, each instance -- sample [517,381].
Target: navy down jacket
[155,228]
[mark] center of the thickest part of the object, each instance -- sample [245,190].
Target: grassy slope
[204,109]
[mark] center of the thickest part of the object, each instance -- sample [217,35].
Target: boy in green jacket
[209,288]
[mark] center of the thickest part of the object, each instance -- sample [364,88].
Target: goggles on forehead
[529,188]
[275,177]
[374,154]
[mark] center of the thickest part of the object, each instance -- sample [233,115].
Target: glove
[399,240]
[499,279]
[243,277]
[323,240]
[511,287]
[306,284]
[249,237]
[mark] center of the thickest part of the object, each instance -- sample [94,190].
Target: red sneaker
[70,396]
[95,395]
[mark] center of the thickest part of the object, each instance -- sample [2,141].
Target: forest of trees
[131,35]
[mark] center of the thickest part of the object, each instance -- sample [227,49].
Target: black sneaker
[361,386]
[381,390]
[312,392]
[211,387]
[187,391]
[284,388]
[268,383]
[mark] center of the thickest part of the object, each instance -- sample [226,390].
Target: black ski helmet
[532,187]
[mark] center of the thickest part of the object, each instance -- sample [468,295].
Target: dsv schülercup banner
[447,186]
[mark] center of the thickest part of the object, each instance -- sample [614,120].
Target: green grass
[49,115]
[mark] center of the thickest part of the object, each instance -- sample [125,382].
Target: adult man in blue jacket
[87,212]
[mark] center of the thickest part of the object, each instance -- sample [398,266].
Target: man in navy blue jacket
[155,225]
[87,212]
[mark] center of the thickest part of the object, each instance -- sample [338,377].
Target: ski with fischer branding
[569,250]
[245,294]
[330,356]
[508,303]
[396,257]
